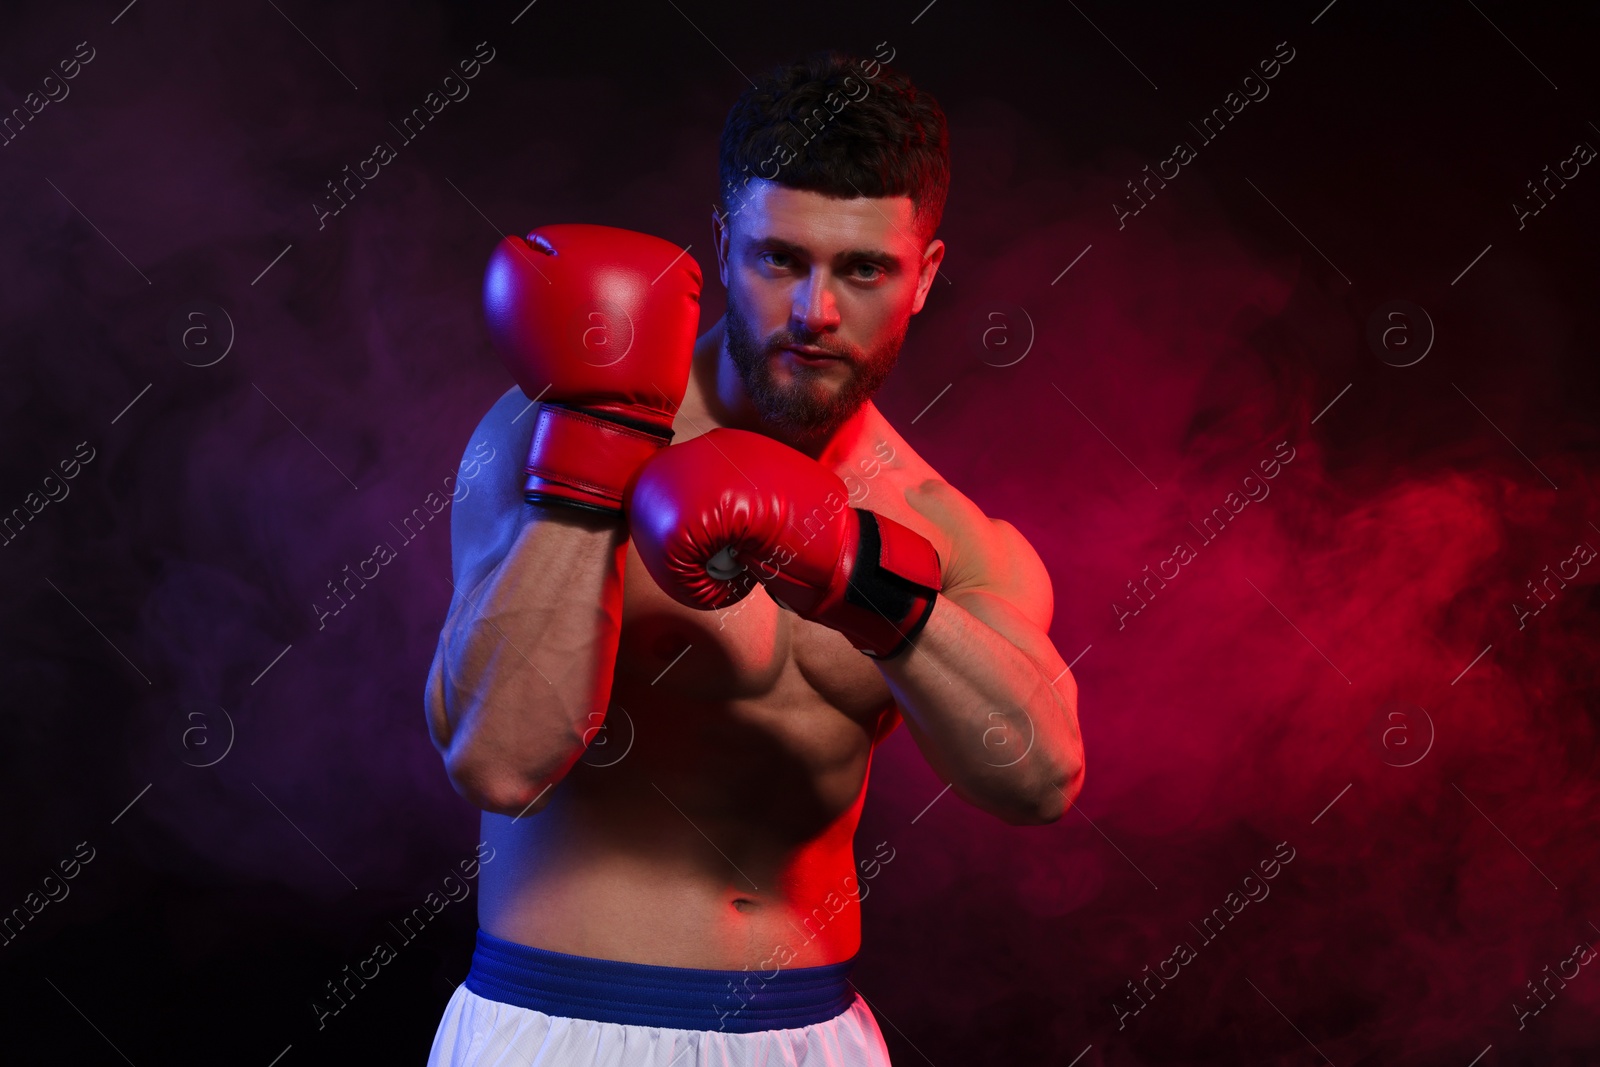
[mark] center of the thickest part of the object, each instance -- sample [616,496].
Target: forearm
[523,670]
[987,719]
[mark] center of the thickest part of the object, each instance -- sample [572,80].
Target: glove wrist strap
[583,457]
[890,589]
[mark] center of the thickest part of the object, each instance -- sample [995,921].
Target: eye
[876,271]
[767,256]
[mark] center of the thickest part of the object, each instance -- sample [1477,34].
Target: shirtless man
[671,794]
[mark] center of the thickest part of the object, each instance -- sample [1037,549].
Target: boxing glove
[600,324]
[714,515]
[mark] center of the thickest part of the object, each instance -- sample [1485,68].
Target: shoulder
[986,553]
[505,429]
[507,419]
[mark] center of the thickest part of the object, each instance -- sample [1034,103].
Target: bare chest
[751,652]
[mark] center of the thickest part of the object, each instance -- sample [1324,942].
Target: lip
[812,354]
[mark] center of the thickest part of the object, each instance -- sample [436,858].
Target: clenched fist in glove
[600,323]
[714,515]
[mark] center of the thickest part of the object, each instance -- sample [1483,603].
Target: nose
[815,307]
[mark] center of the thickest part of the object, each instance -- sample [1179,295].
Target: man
[671,791]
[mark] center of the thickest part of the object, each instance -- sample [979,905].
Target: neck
[728,404]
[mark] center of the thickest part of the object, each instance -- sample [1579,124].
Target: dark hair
[840,126]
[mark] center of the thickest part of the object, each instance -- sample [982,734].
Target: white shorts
[606,1013]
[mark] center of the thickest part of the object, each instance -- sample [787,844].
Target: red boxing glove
[714,515]
[601,323]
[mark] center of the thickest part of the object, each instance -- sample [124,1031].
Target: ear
[721,236]
[932,256]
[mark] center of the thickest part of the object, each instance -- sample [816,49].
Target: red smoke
[1320,641]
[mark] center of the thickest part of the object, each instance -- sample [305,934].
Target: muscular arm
[985,695]
[522,672]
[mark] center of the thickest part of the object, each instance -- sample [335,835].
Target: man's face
[839,277]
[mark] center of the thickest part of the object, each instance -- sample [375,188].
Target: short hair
[841,126]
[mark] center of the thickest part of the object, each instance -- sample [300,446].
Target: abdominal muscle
[567,885]
[710,824]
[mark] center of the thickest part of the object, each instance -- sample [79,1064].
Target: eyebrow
[779,244]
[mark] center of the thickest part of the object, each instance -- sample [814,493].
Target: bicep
[993,573]
[1014,567]
[484,508]
[1005,618]
[487,504]
[1011,593]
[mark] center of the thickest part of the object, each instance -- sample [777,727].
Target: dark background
[164,609]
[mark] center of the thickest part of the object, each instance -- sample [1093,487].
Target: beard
[804,408]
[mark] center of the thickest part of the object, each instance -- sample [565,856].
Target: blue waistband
[638,994]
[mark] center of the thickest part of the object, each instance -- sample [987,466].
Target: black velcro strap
[871,586]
